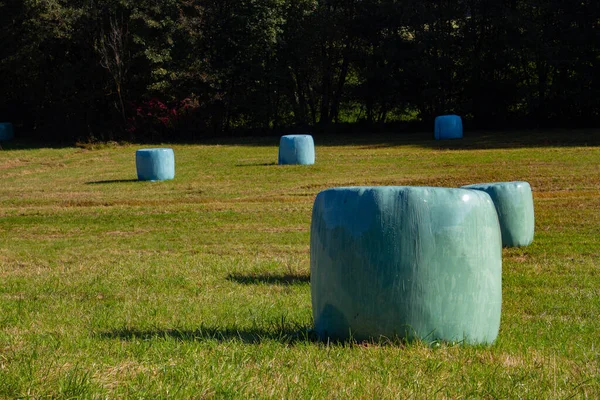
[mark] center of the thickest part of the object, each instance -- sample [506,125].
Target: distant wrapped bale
[7,131]
[448,127]
[297,149]
[408,262]
[514,204]
[155,164]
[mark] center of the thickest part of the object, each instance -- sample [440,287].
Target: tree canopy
[182,69]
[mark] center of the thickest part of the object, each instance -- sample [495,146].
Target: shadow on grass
[111,181]
[366,139]
[31,144]
[270,279]
[283,334]
[516,140]
[257,164]
[472,140]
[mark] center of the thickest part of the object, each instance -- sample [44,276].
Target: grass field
[199,287]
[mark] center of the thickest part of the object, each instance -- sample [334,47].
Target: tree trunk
[337,97]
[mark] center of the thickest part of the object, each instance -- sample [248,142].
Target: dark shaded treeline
[183,69]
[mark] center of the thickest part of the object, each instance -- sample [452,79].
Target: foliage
[79,68]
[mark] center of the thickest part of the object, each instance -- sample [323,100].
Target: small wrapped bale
[155,164]
[7,132]
[514,204]
[407,262]
[448,127]
[296,149]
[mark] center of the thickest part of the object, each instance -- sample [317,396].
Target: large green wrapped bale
[407,262]
[155,164]
[7,131]
[514,204]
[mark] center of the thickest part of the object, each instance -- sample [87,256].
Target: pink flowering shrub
[153,117]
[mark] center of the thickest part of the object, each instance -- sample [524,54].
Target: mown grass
[199,287]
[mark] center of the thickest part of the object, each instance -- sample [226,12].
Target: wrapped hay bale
[7,131]
[296,149]
[408,262]
[514,204]
[448,127]
[155,164]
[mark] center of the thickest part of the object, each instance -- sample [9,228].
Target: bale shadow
[257,164]
[112,181]
[270,279]
[284,334]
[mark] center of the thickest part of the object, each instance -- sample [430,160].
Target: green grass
[199,287]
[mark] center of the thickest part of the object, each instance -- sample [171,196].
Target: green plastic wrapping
[155,164]
[7,131]
[296,149]
[448,127]
[514,204]
[406,262]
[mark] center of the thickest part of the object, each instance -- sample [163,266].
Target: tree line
[182,69]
